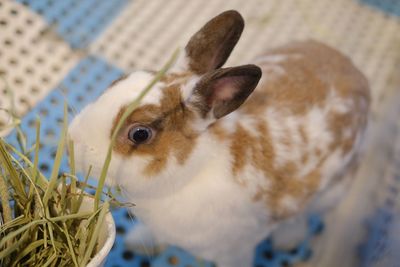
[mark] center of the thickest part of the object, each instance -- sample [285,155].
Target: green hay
[42,221]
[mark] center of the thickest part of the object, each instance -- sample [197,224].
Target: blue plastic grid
[377,227]
[380,246]
[266,256]
[388,6]
[77,21]
[81,86]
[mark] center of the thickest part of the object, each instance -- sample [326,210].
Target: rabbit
[216,159]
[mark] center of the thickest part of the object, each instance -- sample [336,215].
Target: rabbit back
[301,129]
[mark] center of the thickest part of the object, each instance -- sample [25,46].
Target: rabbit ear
[210,47]
[222,91]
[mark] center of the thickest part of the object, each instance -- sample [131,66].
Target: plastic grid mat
[32,59]
[85,82]
[149,30]
[76,20]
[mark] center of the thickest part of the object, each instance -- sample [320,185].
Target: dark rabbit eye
[140,134]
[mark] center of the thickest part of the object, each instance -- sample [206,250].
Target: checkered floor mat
[55,51]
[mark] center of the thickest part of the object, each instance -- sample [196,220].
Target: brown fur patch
[175,78]
[258,151]
[219,132]
[353,121]
[304,158]
[312,70]
[303,134]
[173,134]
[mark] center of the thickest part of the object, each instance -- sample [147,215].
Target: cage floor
[51,51]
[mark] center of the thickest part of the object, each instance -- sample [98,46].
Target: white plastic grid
[32,59]
[147,32]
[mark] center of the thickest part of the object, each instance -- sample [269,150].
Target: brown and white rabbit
[216,159]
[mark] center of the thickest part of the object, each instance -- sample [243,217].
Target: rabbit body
[219,172]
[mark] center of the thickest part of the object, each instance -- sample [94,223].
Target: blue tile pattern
[382,228]
[391,7]
[78,22]
[83,84]
[373,250]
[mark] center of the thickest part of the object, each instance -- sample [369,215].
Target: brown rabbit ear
[224,90]
[210,47]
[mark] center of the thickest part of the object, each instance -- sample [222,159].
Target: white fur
[277,58]
[182,63]
[207,210]
[142,240]
[289,234]
[187,89]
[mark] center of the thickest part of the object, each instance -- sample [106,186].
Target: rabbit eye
[140,134]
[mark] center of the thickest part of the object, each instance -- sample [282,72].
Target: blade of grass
[82,215]
[71,158]
[22,170]
[93,240]
[31,247]
[32,186]
[14,222]
[55,262]
[25,159]
[82,193]
[20,231]
[5,203]
[83,236]
[13,175]
[42,255]
[37,146]
[63,194]
[10,249]
[50,260]
[21,138]
[85,233]
[5,200]
[125,115]
[71,150]
[45,238]
[50,229]
[57,160]
[71,249]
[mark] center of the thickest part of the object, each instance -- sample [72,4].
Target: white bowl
[106,236]
[106,241]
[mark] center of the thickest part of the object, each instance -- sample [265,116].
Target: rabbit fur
[216,159]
